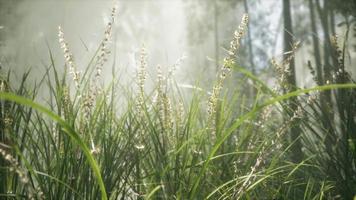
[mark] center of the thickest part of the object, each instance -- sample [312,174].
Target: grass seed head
[21,173]
[104,51]
[69,58]
[141,72]
[229,61]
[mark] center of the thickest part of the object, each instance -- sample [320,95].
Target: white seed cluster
[8,121]
[87,104]
[14,166]
[104,51]
[163,101]
[2,86]
[140,102]
[68,56]
[67,103]
[238,34]
[175,66]
[141,72]
[229,61]
[32,193]
[283,69]
[250,177]
[340,75]
[298,113]
[180,115]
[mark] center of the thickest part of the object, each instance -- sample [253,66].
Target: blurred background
[194,33]
[290,44]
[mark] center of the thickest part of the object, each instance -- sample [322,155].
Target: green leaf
[67,129]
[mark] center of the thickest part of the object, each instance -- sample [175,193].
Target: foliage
[92,141]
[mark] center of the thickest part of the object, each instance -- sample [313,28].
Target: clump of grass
[84,144]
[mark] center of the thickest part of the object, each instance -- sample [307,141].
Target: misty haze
[178,99]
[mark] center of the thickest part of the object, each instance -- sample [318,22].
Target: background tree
[289,48]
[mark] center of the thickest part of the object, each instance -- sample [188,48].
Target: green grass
[84,143]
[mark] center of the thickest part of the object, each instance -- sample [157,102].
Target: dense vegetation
[90,140]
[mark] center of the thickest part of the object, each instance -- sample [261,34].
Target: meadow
[91,140]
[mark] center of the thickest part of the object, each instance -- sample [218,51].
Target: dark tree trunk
[288,41]
[295,131]
[2,161]
[316,44]
[3,139]
[327,106]
[250,51]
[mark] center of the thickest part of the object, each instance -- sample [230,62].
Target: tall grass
[83,143]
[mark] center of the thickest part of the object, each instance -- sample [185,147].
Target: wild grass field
[90,140]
